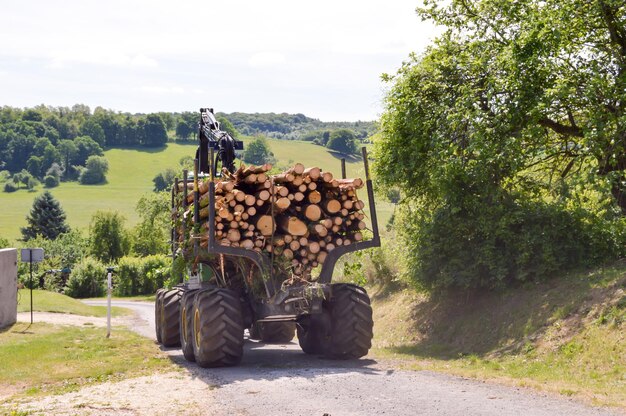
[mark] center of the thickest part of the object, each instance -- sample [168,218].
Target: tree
[92,129]
[95,171]
[151,234]
[343,141]
[108,240]
[34,165]
[68,151]
[164,180]
[490,132]
[183,130]
[86,147]
[258,152]
[533,88]
[155,134]
[227,126]
[46,219]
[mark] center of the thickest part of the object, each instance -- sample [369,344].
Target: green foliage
[50,181]
[85,147]
[227,126]
[155,133]
[95,171]
[292,126]
[140,275]
[108,240]
[342,141]
[151,235]
[46,219]
[258,152]
[499,245]
[4,243]
[163,180]
[497,135]
[93,130]
[87,280]
[10,187]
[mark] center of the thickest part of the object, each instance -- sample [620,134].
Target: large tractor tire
[274,332]
[169,317]
[313,333]
[186,324]
[350,322]
[157,313]
[217,328]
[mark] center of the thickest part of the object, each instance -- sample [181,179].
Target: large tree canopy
[527,89]
[507,139]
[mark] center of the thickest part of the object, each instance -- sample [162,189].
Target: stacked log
[297,217]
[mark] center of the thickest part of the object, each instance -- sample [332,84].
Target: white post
[109,287]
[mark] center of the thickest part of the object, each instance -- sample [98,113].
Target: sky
[323,59]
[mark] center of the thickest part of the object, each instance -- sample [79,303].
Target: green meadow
[130,175]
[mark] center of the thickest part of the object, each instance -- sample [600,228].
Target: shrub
[50,181]
[497,246]
[141,276]
[95,171]
[88,279]
[128,277]
[10,187]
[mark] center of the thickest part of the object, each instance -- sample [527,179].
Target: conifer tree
[46,218]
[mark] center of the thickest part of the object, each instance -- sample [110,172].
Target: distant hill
[294,126]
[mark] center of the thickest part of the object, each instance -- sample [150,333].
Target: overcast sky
[321,58]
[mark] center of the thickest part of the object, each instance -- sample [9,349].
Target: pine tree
[46,218]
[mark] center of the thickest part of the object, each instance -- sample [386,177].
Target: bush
[141,275]
[343,141]
[506,243]
[95,171]
[10,187]
[50,181]
[258,152]
[87,280]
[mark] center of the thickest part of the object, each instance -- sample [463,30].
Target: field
[130,176]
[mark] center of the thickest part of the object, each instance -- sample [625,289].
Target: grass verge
[48,359]
[565,336]
[45,301]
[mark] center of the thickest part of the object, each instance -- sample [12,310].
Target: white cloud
[267,60]
[160,90]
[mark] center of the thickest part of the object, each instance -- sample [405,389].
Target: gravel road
[281,380]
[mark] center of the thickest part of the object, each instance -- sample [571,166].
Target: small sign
[32,255]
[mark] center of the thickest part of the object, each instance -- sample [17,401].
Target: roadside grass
[138,298]
[131,171]
[44,359]
[46,301]
[567,335]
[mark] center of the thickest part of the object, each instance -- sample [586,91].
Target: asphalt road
[281,380]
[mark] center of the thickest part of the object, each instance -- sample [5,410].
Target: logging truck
[255,250]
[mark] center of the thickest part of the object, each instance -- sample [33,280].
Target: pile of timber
[298,216]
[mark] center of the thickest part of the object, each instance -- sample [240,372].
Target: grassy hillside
[130,175]
[567,335]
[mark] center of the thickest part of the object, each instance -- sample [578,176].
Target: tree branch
[561,128]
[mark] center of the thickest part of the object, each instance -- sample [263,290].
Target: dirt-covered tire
[169,317]
[217,328]
[274,332]
[157,312]
[351,322]
[313,333]
[186,324]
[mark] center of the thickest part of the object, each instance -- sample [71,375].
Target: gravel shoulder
[280,379]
